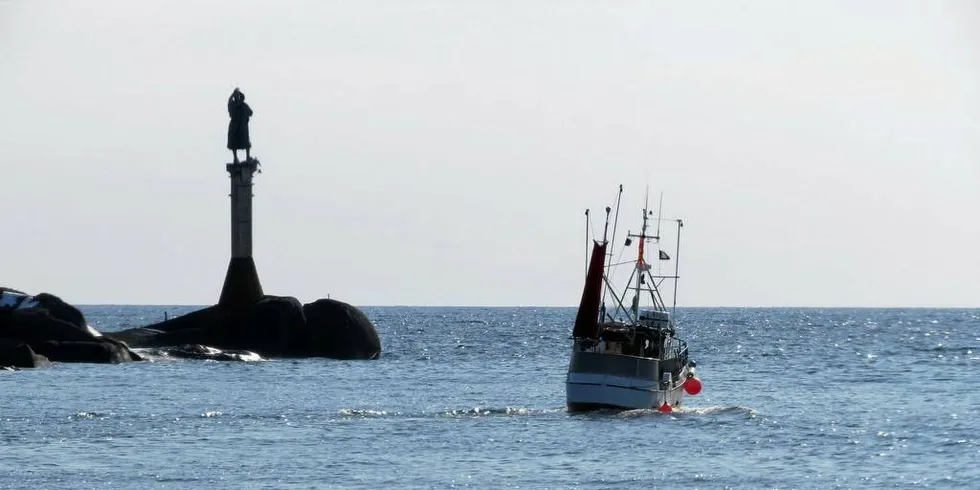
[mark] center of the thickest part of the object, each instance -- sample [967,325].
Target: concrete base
[242,287]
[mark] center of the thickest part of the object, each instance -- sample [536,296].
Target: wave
[88,415]
[196,353]
[153,355]
[947,348]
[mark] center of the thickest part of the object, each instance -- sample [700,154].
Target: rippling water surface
[473,398]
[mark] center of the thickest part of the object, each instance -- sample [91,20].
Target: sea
[474,398]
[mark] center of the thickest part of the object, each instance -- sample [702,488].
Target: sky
[443,152]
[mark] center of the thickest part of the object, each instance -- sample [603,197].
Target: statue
[239,112]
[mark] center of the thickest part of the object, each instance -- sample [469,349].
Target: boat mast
[640,262]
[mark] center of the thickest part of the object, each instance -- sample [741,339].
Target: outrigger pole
[660,216]
[586,242]
[602,300]
[605,231]
[619,199]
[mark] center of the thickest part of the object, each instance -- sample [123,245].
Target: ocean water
[473,398]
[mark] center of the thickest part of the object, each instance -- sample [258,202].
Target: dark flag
[664,256]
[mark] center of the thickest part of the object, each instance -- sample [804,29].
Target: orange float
[692,386]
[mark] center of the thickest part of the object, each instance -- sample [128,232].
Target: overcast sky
[443,152]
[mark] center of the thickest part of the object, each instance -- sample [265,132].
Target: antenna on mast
[641,265]
[660,214]
[646,202]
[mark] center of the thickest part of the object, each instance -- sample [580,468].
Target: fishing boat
[625,354]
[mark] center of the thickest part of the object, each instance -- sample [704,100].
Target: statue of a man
[239,112]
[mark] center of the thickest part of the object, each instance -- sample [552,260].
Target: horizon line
[932,307]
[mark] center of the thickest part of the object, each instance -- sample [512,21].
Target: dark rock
[5,319]
[339,330]
[93,351]
[266,327]
[198,327]
[274,326]
[61,310]
[36,325]
[53,330]
[19,354]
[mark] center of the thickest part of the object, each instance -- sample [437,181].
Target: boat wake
[450,413]
[482,411]
[524,411]
[353,412]
[676,412]
[715,410]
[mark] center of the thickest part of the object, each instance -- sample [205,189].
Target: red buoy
[665,408]
[692,386]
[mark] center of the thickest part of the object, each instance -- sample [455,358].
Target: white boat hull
[598,379]
[589,391]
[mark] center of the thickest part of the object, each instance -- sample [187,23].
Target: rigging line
[626,290]
[619,302]
[744,220]
[613,266]
[654,290]
[617,264]
[619,299]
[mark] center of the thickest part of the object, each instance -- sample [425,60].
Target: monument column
[241,207]
[242,285]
